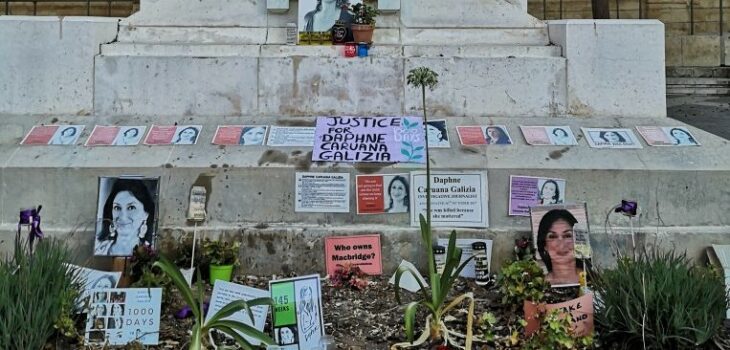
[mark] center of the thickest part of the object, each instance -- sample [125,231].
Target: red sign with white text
[160,135]
[39,135]
[370,194]
[228,135]
[362,251]
[471,135]
[102,136]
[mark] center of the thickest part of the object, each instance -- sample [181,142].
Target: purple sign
[370,139]
[525,191]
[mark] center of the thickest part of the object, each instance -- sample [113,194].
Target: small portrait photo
[186,135]
[497,135]
[117,310]
[97,337]
[611,138]
[561,135]
[129,135]
[67,135]
[550,191]
[100,297]
[126,215]
[100,323]
[114,323]
[438,136]
[560,233]
[396,193]
[252,135]
[680,136]
[118,297]
[286,335]
[98,310]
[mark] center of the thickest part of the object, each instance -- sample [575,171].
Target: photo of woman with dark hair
[437,135]
[252,135]
[496,135]
[397,199]
[186,136]
[556,247]
[67,135]
[286,335]
[611,138]
[129,136]
[682,137]
[550,193]
[127,217]
[320,15]
[560,136]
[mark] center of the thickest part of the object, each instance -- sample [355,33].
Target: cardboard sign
[458,199]
[407,281]
[118,316]
[438,134]
[322,193]
[548,135]
[527,191]
[251,135]
[225,292]
[115,135]
[282,136]
[466,253]
[173,135]
[580,311]
[369,139]
[39,135]
[611,138]
[362,251]
[667,136]
[561,241]
[297,316]
[377,194]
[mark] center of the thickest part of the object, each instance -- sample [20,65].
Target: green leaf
[238,305]
[405,122]
[405,152]
[177,278]
[409,316]
[406,143]
[241,341]
[243,328]
[417,156]
[418,148]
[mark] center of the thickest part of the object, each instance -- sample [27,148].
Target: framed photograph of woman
[561,237]
[611,138]
[126,214]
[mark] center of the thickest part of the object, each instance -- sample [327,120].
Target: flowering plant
[349,274]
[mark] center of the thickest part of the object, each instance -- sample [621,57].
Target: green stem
[428,160]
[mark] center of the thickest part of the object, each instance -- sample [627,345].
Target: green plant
[65,324]
[555,333]
[349,274]
[201,327]
[522,280]
[220,252]
[363,14]
[36,294]
[659,300]
[143,256]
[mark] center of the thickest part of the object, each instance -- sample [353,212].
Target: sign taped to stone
[246,135]
[62,135]
[527,191]
[109,135]
[282,136]
[297,316]
[458,199]
[548,135]
[322,193]
[162,135]
[369,139]
[611,138]
[362,251]
[667,136]
[119,316]
[387,193]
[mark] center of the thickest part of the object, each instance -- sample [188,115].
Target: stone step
[705,91]
[698,72]
[699,81]
[230,50]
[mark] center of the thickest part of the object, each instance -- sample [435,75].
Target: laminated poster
[378,194]
[667,136]
[246,135]
[161,135]
[438,135]
[611,138]
[322,193]
[527,191]
[115,135]
[362,251]
[226,292]
[548,135]
[370,139]
[118,316]
[297,317]
[483,135]
[458,199]
[60,135]
[466,253]
[561,237]
[283,136]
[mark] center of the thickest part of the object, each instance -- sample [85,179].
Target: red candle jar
[350,50]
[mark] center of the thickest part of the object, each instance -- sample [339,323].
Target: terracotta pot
[362,33]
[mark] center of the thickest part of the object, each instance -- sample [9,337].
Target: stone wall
[118,8]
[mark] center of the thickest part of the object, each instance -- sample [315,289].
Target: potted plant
[363,22]
[222,257]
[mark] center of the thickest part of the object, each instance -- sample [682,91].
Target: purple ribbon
[31,217]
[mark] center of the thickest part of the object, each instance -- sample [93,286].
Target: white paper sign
[291,136]
[407,281]
[466,253]
[94,280]
[457,198]
[322,193]
[122,315]
[226,292]
[611,138]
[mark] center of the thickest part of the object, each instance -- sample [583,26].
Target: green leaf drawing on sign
[405,153]
[418,148]
[406,143]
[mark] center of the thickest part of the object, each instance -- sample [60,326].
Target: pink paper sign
[362,251]
[102,136]
[471,135]
[227,135]
[535,135]
[160,135]
[39,135]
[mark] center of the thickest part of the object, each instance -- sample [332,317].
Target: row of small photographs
[563,136]
[304,136]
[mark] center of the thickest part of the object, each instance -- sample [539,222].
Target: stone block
[701,50]
[389,5]
[467,14]
[615,67]
[214,13]
[277,5]
[673,51]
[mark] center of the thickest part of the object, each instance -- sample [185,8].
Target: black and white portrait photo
[67,135]
[126,215]
[186,135]
[611,138]
[320,15]
[438,137]
[129,135]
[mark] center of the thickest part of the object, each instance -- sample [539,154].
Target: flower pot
[220,272]
[362,33]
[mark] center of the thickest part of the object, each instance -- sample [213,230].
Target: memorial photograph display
[103,135]
[387,193]
[438,135]
[667,136]
[484,135]
[162,135]
[245,135]
[611,138]
[548,135]
[527,191]
[59,135]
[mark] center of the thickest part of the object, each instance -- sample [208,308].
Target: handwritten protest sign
[297,317]
[369,139]
[580,311]
[362,251]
